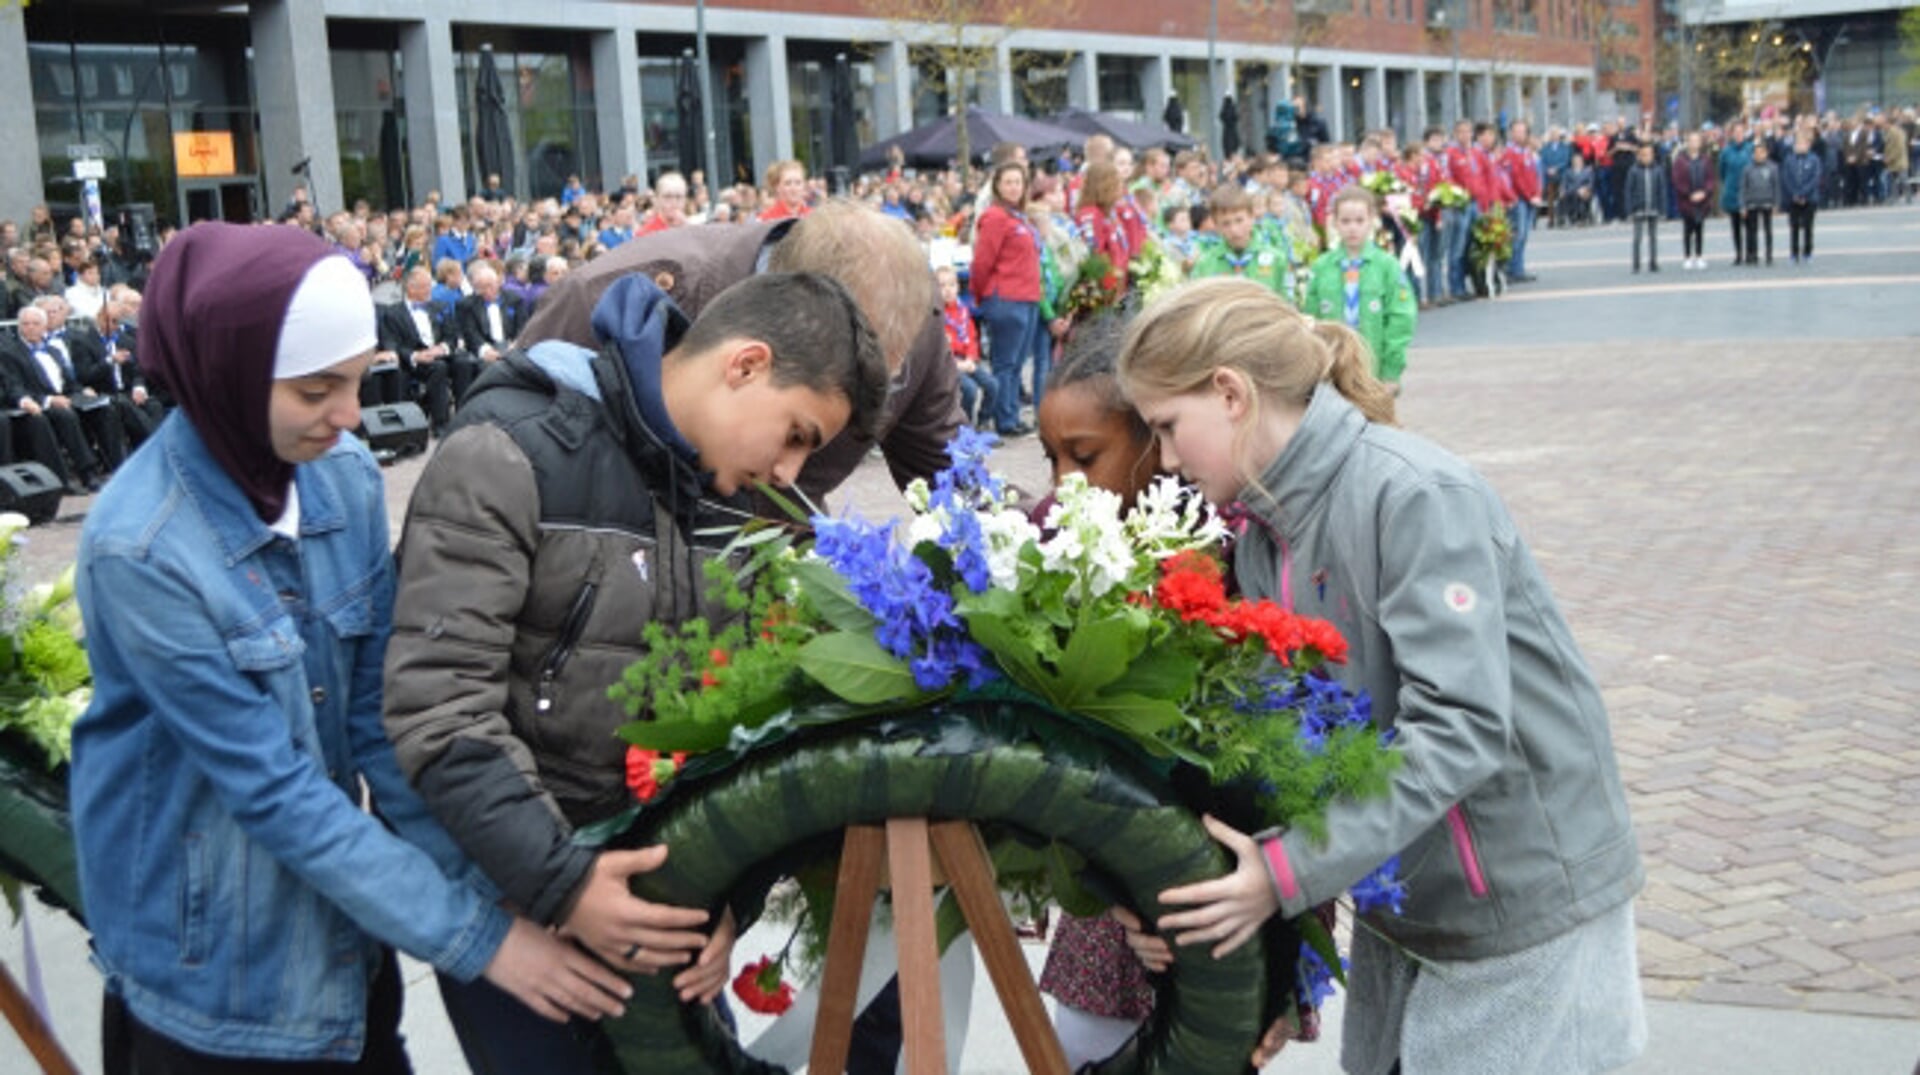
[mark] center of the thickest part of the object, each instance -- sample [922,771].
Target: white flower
[1089,542]
[1169,518]
[918,494]
[1006,534]
[11,523]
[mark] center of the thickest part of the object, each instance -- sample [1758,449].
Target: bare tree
[961,39]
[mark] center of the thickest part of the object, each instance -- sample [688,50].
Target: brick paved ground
[1724,488]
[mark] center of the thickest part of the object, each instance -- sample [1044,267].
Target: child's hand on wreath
[1284,1029]
[703,981]
[553,977]
[628,932]
[1228,910]
[1153,953]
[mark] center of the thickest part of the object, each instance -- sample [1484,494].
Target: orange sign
[203,153]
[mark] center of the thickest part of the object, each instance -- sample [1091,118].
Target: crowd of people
[458,282]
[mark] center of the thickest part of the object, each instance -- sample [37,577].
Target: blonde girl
[1514,951]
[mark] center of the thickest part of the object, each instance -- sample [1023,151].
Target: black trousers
[462,370]
[1693,236]
[1650,227]
[129,1047]
[1800,228]
[1759,220]
[431,382]
[1739,222]
[383,384]
[105,430]
[55,439]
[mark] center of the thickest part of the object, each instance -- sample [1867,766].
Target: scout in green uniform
[1239,253]
[1363,286]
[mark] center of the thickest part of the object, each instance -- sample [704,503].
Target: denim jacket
[238,893]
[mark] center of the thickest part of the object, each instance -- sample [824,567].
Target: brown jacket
[694,264]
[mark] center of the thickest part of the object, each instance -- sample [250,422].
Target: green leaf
[949,922]
[852,665]
[1063,877]
[1014,654]
[784,504]
[669,736]
[1136,715]
[1097,654]
[827,591]
[1314,932]
[1161,672]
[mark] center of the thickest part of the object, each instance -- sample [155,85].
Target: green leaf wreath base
[36,826]
[994,763]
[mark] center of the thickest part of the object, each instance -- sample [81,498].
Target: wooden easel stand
[906,848]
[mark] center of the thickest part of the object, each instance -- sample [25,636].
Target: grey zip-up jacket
[1760,186]
[1507,810]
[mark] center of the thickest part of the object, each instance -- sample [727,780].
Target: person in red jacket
[1099,220]
[1464,166]
[1006,288]
[1521,165]
[786,191]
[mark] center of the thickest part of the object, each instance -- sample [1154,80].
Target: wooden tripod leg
[861,856]
[969,872]
[911,862]
[33,1030]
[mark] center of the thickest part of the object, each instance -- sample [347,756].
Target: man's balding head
[876,258]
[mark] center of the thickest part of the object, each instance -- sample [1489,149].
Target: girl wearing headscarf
[236,585]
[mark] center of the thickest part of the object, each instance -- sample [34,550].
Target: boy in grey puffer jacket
[1759,193]
[1646,197]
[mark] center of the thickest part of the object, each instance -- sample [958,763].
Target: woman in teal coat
[1363,286]
[1733,164]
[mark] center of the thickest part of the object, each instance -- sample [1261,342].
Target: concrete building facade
[219,109]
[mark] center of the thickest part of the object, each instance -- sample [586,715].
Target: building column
[1513,101]
[771,101]
[294,75]
[1333,101]
[1539,110]
[1156,83]
[1005,90]
[892,91]
[433,110]
[1567,114]
[1375,86]
[1083,80]
[1416,107]
[22,186]
[616,106]
[1456,102]
[1480,107]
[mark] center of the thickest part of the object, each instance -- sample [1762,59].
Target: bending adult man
[879,262]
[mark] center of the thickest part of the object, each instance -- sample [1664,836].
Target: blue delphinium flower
[1381,890]
[915,617]
[968,451]
[1316,978]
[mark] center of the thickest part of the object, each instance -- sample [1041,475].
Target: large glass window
[128,99]
[369,114]
[1040,82]
[548,82]
[810,97]
[1122,85]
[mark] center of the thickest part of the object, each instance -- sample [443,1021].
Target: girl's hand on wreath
[1228,910]
[703,981]
[1153,953]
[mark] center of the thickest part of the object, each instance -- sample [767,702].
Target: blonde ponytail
[1351,372]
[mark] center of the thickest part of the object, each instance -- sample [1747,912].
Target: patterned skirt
[1091,968]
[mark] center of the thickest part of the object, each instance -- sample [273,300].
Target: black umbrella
[843,136]
[393,164]
[687,103]
[938,142]
[492,127]
[1132,133]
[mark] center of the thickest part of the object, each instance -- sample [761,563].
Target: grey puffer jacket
[1507,811]
[547,531]
[1760,186]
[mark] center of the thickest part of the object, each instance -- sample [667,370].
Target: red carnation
[644,775]
[760,988]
